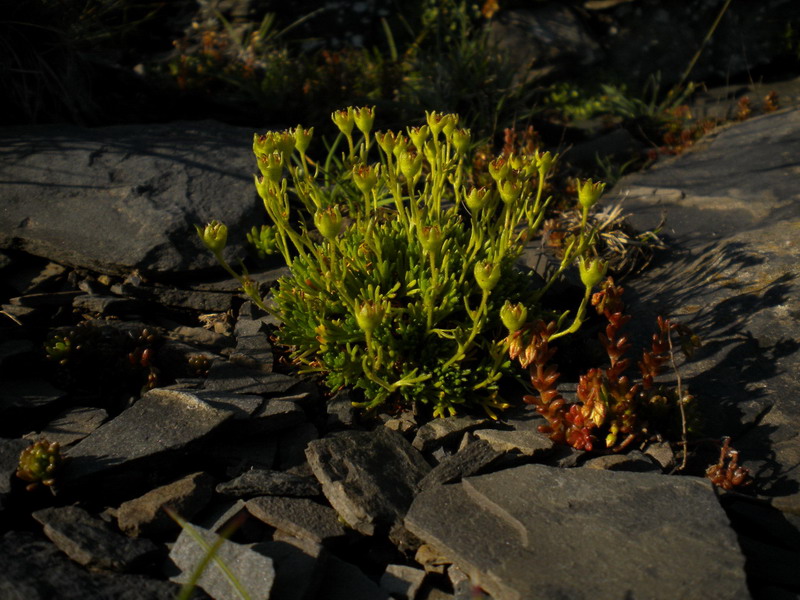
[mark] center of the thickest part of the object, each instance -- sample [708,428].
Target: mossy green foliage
[400,268]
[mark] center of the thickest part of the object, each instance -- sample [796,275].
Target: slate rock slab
[160,421]
[299,517]
[90,542]
[147,514]
[733,275]
[370,478]
[254,571]
[34,569]
[541,532]
[142,187]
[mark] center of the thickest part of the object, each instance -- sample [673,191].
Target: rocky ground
[97,226]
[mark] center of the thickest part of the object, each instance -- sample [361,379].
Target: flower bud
[214,236]
[461,139]
[400,145]
[544,162]
[284,143]
[499,168]
[271,166]
[487,274]
[364,118]
[410,164]
[509,191]
[589,193]
[435,122]
[513,316]
[251,288]
[431,239]
[302,138]
[344,120]
[366,177]
[387,140]
[476,198]
[592,271]
[263,144]
[369,315]
[329,222]
[450,122]
[418,135]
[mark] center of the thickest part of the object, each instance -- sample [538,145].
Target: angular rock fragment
[90,542]
[146,515]
[522,442]
[463,463]
[264,482]
[667,537]
[251,570]
[34,569]
[632,461]
[72,426]
[228,377]
[148,184]
[370,478]
[299,517]
[402,582]
[439,432]
[161,421]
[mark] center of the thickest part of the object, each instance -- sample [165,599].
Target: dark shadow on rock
[745,370]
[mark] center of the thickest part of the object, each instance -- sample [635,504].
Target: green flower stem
[580,316]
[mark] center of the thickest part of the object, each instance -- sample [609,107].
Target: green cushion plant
[404,282]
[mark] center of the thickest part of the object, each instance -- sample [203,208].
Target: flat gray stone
[630,461]
[370,478]
[299,517]
[72,426]
[149,184]
[439,432]
[463,463]
[666,537]
[146,514]
[34,569]
[264,482]
[522,442]
[90,542]
[733,275]
[225,376]
[159,422]
[401,581]
[253,571]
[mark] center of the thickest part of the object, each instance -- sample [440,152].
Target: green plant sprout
[402,272]
[39,464]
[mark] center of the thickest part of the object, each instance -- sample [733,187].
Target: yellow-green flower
[589,193]
[487,274]
[366,177]
[328,222]
[214,236]
[592,271]
[302,138]
[513,316]
[364,118]
[344,120]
